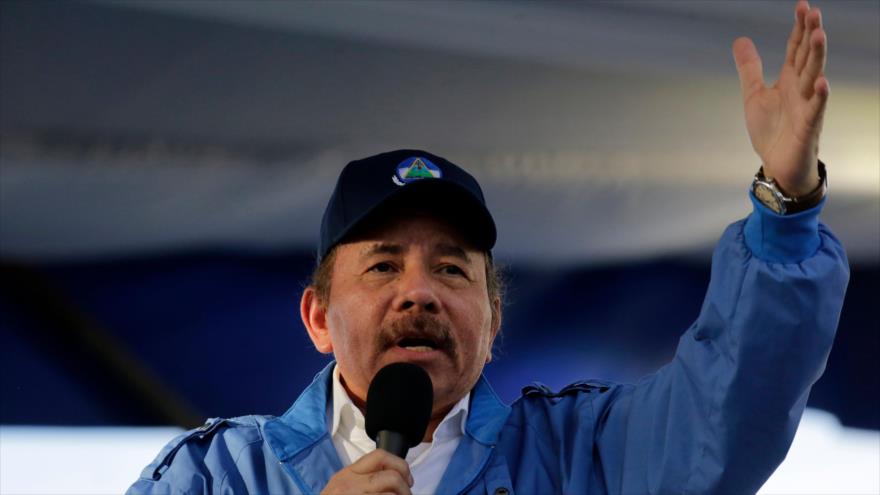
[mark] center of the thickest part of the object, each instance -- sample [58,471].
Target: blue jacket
[719,418]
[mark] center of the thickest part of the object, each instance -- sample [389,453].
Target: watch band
[768,192]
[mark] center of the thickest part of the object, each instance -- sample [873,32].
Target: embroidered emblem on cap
[415,168]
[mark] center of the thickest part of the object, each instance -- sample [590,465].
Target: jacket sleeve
[720,417]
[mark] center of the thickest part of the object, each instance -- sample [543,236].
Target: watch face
[767,196]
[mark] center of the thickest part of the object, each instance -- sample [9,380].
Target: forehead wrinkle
[439,249]
[381,248]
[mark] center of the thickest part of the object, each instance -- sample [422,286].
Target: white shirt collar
[348,420]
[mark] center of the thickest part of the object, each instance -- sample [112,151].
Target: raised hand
[784,120]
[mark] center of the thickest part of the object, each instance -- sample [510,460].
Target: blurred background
[165,165]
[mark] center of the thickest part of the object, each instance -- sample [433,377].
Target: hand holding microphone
[399,404]
[376,472]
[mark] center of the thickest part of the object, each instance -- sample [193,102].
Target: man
[406,274]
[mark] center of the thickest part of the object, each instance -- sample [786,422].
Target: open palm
[784,120]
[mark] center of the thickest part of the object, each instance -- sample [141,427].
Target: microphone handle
[393,442]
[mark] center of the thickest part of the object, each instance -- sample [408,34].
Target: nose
[416,293]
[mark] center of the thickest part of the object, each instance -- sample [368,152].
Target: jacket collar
[306,421]
[473,456]
[299,437]
[300,440]
[308,415]
[487,413]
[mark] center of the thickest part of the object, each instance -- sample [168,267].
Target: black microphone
[399,404]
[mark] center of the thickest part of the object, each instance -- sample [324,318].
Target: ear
[314,317]
[496,325]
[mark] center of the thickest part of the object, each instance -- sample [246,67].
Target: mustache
[419,326]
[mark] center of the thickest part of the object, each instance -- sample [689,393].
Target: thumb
[748,65]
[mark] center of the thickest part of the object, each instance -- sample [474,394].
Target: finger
[813,21]
[797,32]
[387,481]
[379,460]
[818,103]
[748,65]
[815,63]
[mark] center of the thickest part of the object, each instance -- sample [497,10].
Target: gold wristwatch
[769,194]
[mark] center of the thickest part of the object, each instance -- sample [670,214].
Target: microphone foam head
[400,399]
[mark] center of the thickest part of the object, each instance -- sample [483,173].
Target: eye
[452,270]
[383,267]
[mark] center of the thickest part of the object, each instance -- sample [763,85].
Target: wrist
[798,182]
[768,190]
[782,238]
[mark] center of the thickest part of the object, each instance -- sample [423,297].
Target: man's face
[410,291]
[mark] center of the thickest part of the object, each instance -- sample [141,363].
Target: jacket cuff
[782,238]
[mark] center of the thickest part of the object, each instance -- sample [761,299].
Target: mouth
[419,339]
[417,344]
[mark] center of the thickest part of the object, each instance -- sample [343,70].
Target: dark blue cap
[384,185]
